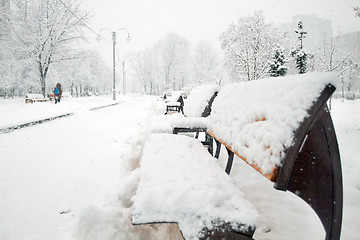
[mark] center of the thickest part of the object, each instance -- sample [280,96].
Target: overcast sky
[149,20]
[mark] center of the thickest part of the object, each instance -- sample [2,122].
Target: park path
[51,173]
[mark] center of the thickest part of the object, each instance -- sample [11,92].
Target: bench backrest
[34,96]
[258,119]
[283,129]
[200,100]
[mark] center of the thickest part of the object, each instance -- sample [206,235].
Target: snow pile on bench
[198,100]
[166,123]
[188,122]
[172,100]
[180,182]
[258,119]
[35,97]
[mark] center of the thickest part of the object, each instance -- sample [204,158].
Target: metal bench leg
[197,135]
[218,148]
[230,161]
[209,142]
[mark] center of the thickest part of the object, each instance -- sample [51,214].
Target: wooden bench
[174,102]
[279,126]
[31,98]
[200,100]
[198,104]
[180,182]
[172,107]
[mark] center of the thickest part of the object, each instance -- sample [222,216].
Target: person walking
[181,101]
[57,92]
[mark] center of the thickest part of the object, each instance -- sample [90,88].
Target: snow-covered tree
[174,60]
[44,32]
[81,77]
[332,56]
[301,59]
[248,46]
[172,64]
[277,63]
[7,58]
[350,78]
[206,63]
[145,66]
[299,53]
[357,11]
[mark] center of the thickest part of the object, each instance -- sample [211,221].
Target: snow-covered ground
[73,178]
[15,111]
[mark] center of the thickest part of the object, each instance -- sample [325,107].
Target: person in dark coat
[57,92]
[181,101]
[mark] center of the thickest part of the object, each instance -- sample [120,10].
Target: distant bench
[173,102]
[30,98]
[198,105]
[172,107]
[279,126]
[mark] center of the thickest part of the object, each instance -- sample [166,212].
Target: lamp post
[113,35]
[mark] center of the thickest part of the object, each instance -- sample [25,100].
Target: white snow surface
[15,111]
[189,122]
[180,182]
[258,119]
[87,165]
[198,99]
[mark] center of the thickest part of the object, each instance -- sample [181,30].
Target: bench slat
[271,176]
[180,182]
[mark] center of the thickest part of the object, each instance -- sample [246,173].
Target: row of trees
[173,63]
[254,49]
[39,42]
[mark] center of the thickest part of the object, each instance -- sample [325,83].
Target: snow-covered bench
[173,102]
[199,102]
[197,106]
[282,128]
[279,126]
[172,106]
[181,182]
[30,98]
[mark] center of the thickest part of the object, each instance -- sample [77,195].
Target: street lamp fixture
[113,36]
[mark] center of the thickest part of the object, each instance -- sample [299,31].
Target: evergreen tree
[301,58]
[299,53]
[357,11]
[277,64]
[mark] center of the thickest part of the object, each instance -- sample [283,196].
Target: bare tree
[357,11]
[332,56]
[174,60]
[206,63]
[248,46]
[350,78]
[171,64]
[44,32]
[144,64]
[88,75]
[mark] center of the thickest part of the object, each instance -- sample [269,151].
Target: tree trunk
[72,89]
[43,85]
